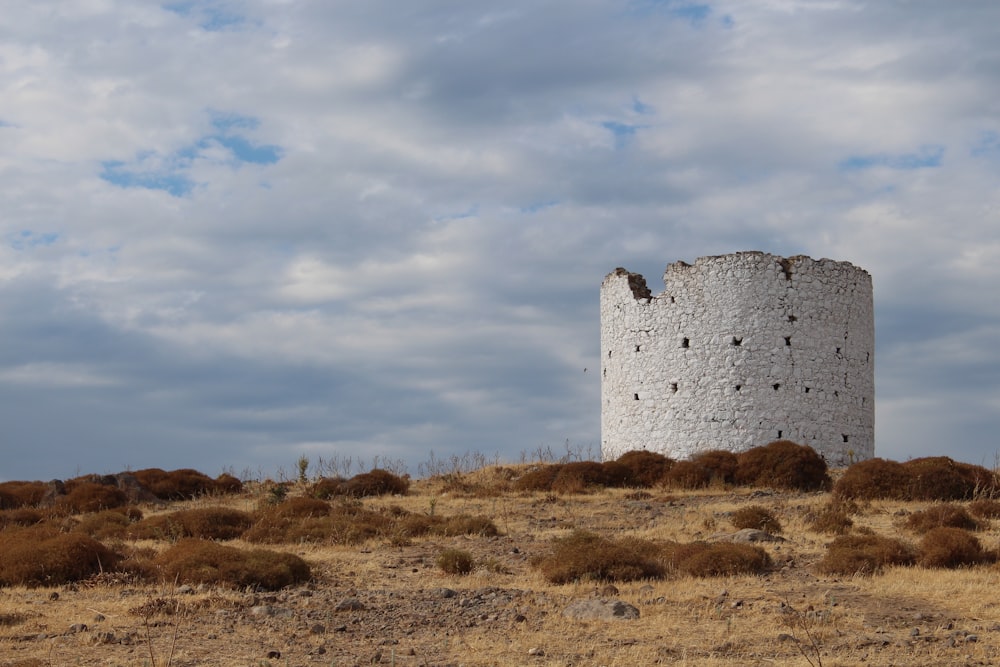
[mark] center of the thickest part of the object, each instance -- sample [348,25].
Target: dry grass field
[459,570]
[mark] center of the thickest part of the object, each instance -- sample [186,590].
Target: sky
[238,233]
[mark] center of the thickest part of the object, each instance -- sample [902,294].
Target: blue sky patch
[988,144]
[926,157]
[621,131]
[123,175]
[694,13]
[210,17]
[27,239]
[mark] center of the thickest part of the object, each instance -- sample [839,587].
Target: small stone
[77,627]
[273,655]
[318,629]
[53,596]
[349,604]
[915,632]
[536,652]
[98,618]
[185,590]
[262,610]
[444,592]
[971,639]
[520,618]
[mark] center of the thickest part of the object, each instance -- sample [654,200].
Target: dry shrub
[941,478]
[311,520]
[646,468]
[873,479]
[466,524]
[210,523]
[721,465]
[538,479]
[327,488]
[951,548]
[586,556]
[41,557]
[456,561]
[832,519]
[22,494]
[617,475]
[865,554]
[196,561]
[687,475]
[716,559]
[106,525]
[90,497]
[22,516]
[579,477]
[26,662]
[985,508]
[757,517]
[180,484]
[227,484]
[782,464]
[376,482]
[942,515]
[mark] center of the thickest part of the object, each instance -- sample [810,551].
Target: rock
[350,604]
[318,629]
[77,627]
[747,536]
[262,610]
[185,590]
[610,590]
[444,592]
[536,652]
[273,655]
[610,610]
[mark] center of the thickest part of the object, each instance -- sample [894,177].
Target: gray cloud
[234,234]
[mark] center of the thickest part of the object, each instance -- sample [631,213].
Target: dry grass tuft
[22,494]
[456,561]
[716,559]
[985,508]
[646,469]
[585,556]
[196,561]
[942,515]
[181,484]
[42,557]
[951,548]
[865,554]
[929,478]
[832,519]
[210,523]
[84,497]
[757,517]
[782,464]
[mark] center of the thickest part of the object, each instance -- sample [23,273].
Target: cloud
[234,234]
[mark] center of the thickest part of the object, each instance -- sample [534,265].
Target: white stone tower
[739,350]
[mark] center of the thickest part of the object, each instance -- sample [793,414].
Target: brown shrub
[832,519]
[941,515]
[721,465]
[210,523]
[579,477]
[985,508]
[106,525]
[937,478]
[91,497]
[22,494]
[376,482]
[315,521]
[456,561]
[782,464]
[539,479]
[328,487]
[23,516]
[716,559]
[466,524]
[228,484]
[180,484]
[195,561]
[951,548]
[646,468]
[586,556]
[873,479]
[617,475]
[865,554]
[757,517]
[687,475]
[41,557]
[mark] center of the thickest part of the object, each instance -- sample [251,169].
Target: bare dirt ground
[390,604]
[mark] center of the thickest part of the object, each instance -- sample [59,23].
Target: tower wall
[737,351]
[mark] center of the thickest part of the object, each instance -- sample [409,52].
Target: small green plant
[456,561]
[303,466]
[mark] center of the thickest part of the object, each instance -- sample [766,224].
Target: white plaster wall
[737,351]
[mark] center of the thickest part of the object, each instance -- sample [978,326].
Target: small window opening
[686,342]
[780,433]
[807,390]
[845,437]
[837,394]
[737,341]
[609,354]
[605,372]
[673,300]
[636,348]
[776,386]
[788,341]
[739,387]
[673,387]
[792,318]
[838,350]
[636,396]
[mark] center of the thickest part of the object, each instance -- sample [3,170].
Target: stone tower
[737,351]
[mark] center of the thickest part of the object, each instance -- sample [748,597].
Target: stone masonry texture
[737,351]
